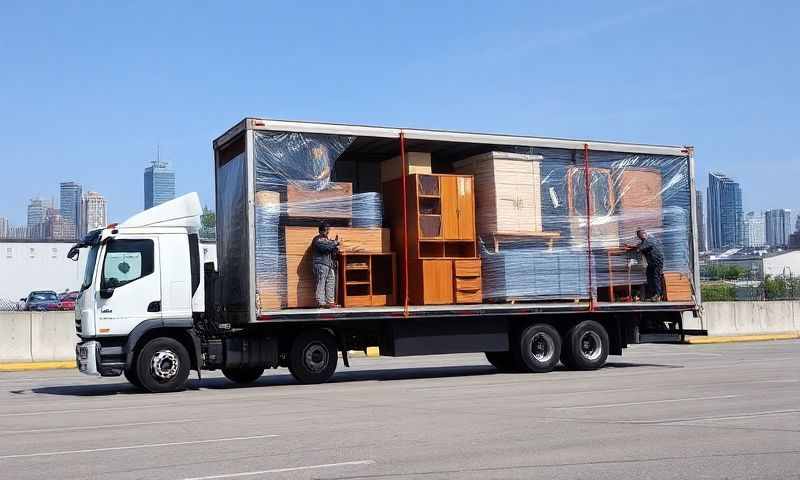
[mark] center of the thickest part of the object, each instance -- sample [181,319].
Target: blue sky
[88,89]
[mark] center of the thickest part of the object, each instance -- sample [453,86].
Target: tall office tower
[754,230]
[779,226]
[159,184]
[724,207]
[3,227]
[37,218]
[95,212]
[71,194]
[701,222]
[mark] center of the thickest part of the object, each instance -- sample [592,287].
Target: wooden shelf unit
[367,279]
[441,231]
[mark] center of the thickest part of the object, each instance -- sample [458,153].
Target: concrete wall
[37,336]
[750,318]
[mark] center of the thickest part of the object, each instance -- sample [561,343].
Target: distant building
[778,223]
[754,230]
[37,218]
[3,227]
[724,207]
[70,197]
[701,222]
[776,264]
[59,228]
[159,184]
[95,212]
[794,241]
[18,232]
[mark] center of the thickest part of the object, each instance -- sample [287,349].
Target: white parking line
[282,470]
[765,413]
[628,404]
[93,427]
[133,447]
[79,410]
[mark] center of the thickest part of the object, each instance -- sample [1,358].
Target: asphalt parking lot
[660,412]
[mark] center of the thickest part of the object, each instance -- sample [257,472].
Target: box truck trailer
[517,247]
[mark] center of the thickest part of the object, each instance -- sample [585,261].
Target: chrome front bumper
[87,355]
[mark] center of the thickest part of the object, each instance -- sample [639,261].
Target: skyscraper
[779,226]
[95,211]
[754,231]
[37,218]
[159,184]
[701,222]
[3,227]
[724,207]
[70,203]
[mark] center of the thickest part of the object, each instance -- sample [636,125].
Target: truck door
[176,277]
[130,285]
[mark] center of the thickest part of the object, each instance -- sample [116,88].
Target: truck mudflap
[87,356]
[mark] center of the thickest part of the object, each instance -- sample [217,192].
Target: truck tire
[162,365]
[243,375]
[502,361]
[537,348]
[130,376]
[586,346]
[313,356]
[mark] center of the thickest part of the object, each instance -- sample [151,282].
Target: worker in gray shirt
[650,248]
[325,252]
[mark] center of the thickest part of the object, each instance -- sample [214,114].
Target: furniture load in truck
[443,223]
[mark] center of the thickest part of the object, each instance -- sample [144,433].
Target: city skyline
[76,213]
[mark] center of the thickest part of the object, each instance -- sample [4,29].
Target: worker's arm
[325,245]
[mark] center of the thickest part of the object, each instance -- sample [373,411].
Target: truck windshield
[91,260]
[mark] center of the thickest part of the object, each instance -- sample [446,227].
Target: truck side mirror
[106,292]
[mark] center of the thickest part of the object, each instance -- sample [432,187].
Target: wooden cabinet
[602,201]
[441,231]
[436,282]
[367,279]
[507,191]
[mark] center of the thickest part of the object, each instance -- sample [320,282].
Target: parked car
[41,300]
[67,301]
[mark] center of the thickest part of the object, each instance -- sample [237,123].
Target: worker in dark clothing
[325,262]
[650,248]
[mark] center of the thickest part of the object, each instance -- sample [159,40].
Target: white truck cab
[142,276]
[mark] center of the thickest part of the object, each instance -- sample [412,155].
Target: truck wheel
[243,375]
[130,376]
[586,346]
[537,348]
[313,356]
[503,361]
[162,365]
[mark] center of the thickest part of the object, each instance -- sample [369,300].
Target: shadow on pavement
[346,376]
